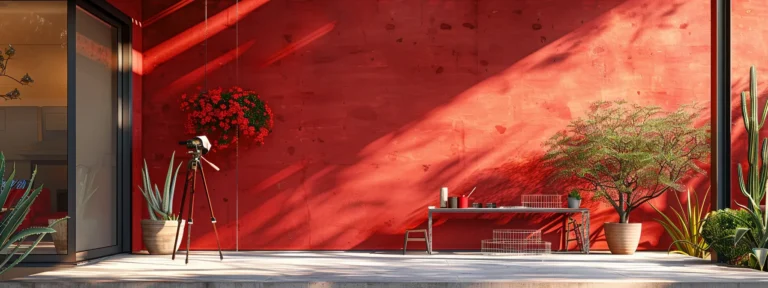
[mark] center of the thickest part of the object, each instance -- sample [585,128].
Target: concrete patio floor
[380,269]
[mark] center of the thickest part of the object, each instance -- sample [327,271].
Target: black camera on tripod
[200,143]
[198,146]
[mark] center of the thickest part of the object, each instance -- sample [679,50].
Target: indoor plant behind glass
[626,155]
[159,231]
[574,199]
[5,57]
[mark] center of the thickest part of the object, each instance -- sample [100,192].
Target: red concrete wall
[380,103]
[748,38]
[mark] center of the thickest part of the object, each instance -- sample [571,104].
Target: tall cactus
[755,185]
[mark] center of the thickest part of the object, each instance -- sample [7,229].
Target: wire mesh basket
[515,242]
[542,201]
[515,248]
[516,235]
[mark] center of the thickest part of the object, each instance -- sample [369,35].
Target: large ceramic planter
[158,236]
[623,238]
[60,237]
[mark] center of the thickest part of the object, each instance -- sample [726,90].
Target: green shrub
[718,230]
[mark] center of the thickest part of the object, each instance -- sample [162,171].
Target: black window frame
[720,174]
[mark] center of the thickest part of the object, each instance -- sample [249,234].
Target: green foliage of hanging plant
[227,116]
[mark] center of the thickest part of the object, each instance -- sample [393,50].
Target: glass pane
[33,128]
[96,96]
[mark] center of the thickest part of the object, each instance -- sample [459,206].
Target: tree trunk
[623,217]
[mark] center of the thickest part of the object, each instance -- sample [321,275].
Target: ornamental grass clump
[686,226]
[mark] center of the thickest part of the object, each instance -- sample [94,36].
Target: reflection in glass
[33,129]
[96,96]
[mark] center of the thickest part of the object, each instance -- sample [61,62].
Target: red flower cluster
[225,115]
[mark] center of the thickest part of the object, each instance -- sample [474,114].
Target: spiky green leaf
[739,234]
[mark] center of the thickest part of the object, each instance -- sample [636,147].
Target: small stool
[425,239]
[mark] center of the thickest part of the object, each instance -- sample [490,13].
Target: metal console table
[583,211]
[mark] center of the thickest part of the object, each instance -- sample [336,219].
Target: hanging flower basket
[227,116]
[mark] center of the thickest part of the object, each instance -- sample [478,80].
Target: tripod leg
[181,211]
[210,206]
[191,206]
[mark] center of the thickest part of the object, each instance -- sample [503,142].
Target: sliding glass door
[71,123]
[96,132]
[101,138]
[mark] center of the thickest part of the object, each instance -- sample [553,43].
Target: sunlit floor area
[44,247]
[365,269]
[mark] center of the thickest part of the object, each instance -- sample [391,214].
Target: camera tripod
[192,167]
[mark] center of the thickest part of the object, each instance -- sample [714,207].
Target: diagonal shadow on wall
[400,98]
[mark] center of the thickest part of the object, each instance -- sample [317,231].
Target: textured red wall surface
[748,38]
[380,103]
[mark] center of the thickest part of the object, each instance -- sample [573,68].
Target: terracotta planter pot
[60,237]
[623,238]
[158,236]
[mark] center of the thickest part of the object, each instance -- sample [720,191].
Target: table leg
[585,227]
[429,232]
[564,234]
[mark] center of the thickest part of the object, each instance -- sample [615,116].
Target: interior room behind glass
[33,129]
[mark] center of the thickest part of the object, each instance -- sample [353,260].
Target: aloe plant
[758,172]
[12,219]
[574,194]
[686,228]
[160,206]
[754,232]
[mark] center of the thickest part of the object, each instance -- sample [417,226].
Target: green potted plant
[574,199]
[159,231]
[11,239]
[627,154]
